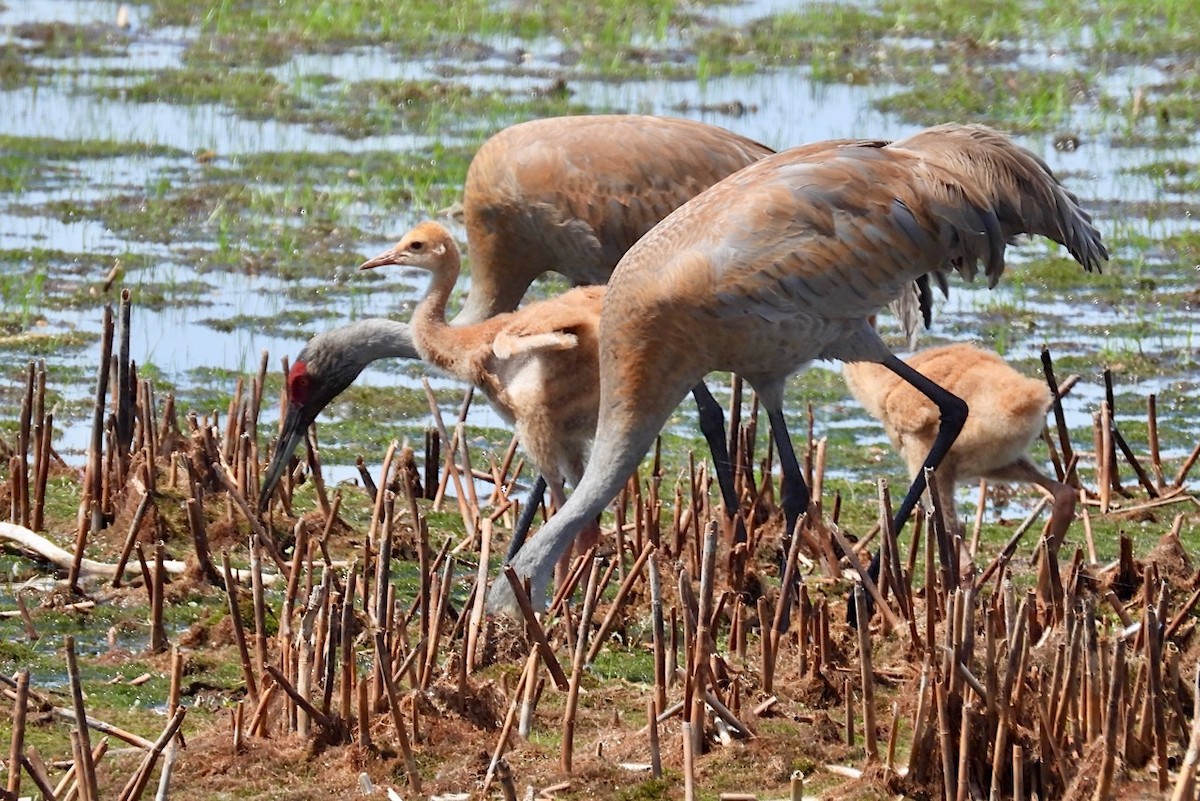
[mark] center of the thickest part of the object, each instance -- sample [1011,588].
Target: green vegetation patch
[66,40]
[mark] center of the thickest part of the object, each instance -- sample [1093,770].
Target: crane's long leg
[525,521]
[794,499]
[712,425]
[952,412]
[795,495]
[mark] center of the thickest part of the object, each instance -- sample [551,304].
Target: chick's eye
[417,245]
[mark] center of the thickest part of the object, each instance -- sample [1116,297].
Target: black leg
[794,499]
[952,411]
[712,425]
[532,504]
[795,492]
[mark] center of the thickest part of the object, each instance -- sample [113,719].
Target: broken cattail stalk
[88,774]
[569,710]
[618,602]
[652,729]
[137,783]
[385,670]
[239,633]
[689,773]
[17,742]
[659,635]
[868,675]
[1060,419]
[881,603]
[1112,721]
[535,630]
[477,608]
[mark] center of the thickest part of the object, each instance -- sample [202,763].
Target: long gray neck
[364,341]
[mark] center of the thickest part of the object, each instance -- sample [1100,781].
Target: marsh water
[210,319]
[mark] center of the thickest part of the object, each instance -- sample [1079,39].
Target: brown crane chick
[537,366]
[1008,413]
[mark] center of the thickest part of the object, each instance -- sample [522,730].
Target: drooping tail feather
[1006,186]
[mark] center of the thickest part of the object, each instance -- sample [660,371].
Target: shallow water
[780,107]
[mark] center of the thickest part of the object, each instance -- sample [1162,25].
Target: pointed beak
[386,257]
[295,425]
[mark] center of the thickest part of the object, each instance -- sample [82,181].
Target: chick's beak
[386,257]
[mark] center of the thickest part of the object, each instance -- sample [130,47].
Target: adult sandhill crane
[564,194]
[785,262]
[572,194]
[1008,413]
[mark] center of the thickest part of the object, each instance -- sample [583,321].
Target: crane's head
[428,246]
[328,365]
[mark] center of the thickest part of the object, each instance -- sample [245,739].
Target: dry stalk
[569,710]
[1111,721]
[88,772]
[385,669]
[239,633]
[17,743]
[868,675]
[137,783]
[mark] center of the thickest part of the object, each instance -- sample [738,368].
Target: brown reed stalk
[701,640]
[1102,426]
[1092,674]
[1158,704]
[239,633]
[69,785]
[618,603]
[658,634]
[158,632]
[889,761]
[31,633]
[88,772]
[1000,747]
[346,696]
[20,475]
[42,473]
[884,607]
[1186,783]
[326,721]
[689,761]
[77,754]
[506,728]
[569,710]
[258,602]
[137,783]
[195,517]
[1060,419]
[1186,467]
[1111,721]
[535,630]
[36,768]
[451,468]
[16,748]
[867,674]
[473,655]
[131,537]
[964,753]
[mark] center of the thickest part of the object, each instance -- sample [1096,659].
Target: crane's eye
[417,245]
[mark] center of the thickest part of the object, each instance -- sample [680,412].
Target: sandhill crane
[572,194]
[1008,413]
[785,262]
[563,194]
